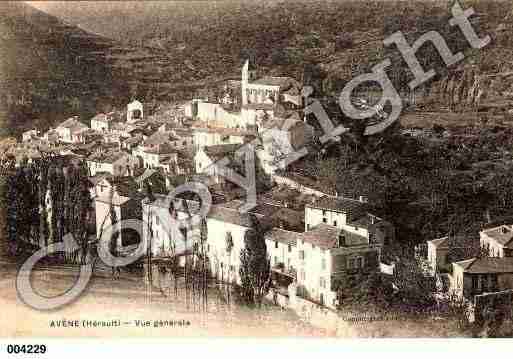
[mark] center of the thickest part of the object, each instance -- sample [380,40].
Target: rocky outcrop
[467,89]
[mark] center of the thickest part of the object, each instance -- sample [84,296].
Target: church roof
[281,81]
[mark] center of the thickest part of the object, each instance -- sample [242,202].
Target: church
[262,99]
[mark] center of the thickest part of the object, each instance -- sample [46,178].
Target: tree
[415,288]
[203,240]
[229,248]
[255,268]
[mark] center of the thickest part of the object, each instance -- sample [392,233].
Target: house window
[355,262]
[325,220]
[302,255]
[157,220]
[324,212]
[335,223]
[307,227]
[475,283]
[275,260]
[494,282]
[322,282]
[350,263]
[323,263]
[302,275]
[275,244]
[290,248]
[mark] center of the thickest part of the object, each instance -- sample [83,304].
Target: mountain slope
[50,70]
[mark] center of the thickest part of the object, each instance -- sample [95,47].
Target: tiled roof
[163,148]
[146,174]
[102,117]
[281,123]
[125,186]
[440,242]
[72,123]
[487,265]
[259,106]
[326,236]
[283,236]
[454,242]
[281,81]
[323,235]
[502,235]
[106,157]
[313,183]
[202,127]
[346,205]
[159,137]
[289,219]
[219,151]
[134,140]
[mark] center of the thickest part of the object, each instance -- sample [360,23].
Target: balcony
[281,269]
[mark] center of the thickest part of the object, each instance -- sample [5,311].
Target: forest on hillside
[82,57]
[209,39]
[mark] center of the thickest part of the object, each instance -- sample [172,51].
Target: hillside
[49,70]
[170,50]
[341,38]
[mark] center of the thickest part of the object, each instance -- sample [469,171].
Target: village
[317,241]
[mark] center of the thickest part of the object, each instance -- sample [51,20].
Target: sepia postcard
[257,169]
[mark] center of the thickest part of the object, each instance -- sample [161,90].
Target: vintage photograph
[256,169]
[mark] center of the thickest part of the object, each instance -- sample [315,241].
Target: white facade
[315,216]
[29,135]
[498,241]
[214,137]
[225,265]
[120,165]
[134,111]
[314,272]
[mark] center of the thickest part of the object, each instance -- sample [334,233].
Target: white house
[30,135]
[442,252]
[498,241]
[481,275]
[212,136]
[70,130]
[206,157]
[161,155]
[134,111]
[117,163]
[102,122]
[121,195]
[283,140]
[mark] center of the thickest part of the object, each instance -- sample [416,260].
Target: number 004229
[26,348]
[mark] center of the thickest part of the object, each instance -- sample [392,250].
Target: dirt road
[132,312]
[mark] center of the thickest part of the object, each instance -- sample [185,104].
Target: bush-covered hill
[169,50]
[50,69]
[209,39]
